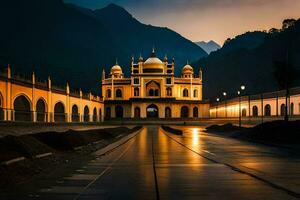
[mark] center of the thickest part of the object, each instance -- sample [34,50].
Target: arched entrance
[22,109]
[119,111]
[75,114]
[86,115]
[254,111]
[95,115]
[267,110]
[137,112]
[41,111]
[59,112]
[244,112]
[152,111]
[168,113]
[184,112]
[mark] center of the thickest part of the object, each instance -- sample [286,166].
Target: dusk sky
[206,20]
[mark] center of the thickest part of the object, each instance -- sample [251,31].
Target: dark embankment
[43,152]
[172,130]
[275,132]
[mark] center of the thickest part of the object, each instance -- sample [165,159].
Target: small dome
[187,69]
[116,69]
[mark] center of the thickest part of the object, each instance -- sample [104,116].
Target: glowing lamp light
[224,93]
[243,87]
[238,92]
[218,99]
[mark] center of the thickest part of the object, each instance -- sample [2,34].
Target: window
[156,93]
[185,92]
[168,80]
[136,81]
[169,92]
[195,93]
[136,92]
[118,93]
[168,113]
[108,93]
[151,92]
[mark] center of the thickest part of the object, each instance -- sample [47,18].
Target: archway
[254,111]
[282,109]
[86,115]
[184,112]
[41,111]
[75,114]
[292,109]
[195,112]
[168,113]
[95,115]
[153,88]
[119,111]
[59,112]
[267,110]
[244,112]
[152,111]
[137,112]
[22,109]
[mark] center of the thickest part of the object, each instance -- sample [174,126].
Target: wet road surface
[156,165]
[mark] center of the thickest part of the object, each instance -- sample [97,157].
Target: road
[157,165]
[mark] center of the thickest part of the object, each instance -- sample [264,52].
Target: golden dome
[153,64]
[187,69]
[116,69]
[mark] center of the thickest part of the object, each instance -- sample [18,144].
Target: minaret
[132,63]
[200,73]
[103,74]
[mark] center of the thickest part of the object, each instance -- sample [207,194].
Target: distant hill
[249,59]
[73,43]
[208,46]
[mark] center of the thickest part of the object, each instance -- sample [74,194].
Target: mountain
[208,46]
[73,43]
[249,59]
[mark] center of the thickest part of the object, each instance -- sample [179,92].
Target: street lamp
[239,94]
[218,99]
[225,94]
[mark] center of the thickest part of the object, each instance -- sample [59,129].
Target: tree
[284,73]
[287,23]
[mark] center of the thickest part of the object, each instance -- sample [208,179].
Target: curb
[43,155]
[117,144]
[9,162]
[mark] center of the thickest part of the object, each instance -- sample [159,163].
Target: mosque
[153,91]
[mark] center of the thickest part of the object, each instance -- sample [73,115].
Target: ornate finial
[187,62]
[116,61]
[140,58]
[153,53]
[166,58]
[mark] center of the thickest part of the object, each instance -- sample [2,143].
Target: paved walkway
[156,165]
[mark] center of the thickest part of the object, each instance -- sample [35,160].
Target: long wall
[267,104]
[25,99]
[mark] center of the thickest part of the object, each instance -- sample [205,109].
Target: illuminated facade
[153,91]
[27,99]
